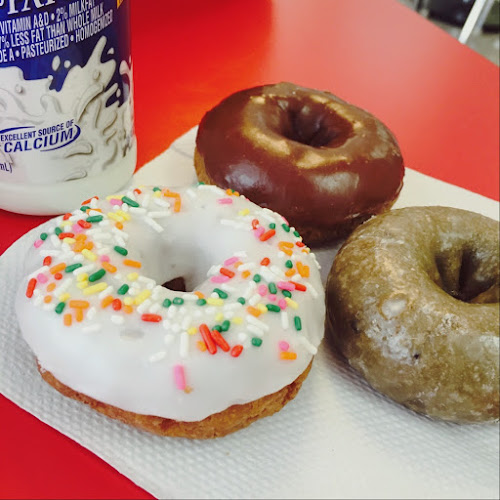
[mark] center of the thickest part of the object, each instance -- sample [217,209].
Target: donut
[413,305]
[321,162]
[200,361]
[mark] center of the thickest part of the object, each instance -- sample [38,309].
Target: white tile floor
[487,44]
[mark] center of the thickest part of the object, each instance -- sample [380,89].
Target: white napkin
[337,439]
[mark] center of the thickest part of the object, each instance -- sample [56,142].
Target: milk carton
[66,102]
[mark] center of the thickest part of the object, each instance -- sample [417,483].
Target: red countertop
[439,98]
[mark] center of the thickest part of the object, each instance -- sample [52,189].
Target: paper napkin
[337,439]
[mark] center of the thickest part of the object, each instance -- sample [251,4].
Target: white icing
[119,359]
[393,307]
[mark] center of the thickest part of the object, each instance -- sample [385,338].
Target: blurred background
[478,28]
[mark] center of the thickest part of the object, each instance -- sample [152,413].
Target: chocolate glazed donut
[322,163]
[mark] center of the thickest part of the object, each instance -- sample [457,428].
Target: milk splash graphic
[78,111]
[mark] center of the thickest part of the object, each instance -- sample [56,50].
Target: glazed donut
[412,303]
[200,363]
[322,163]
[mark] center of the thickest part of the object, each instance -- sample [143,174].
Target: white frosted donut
[93,310]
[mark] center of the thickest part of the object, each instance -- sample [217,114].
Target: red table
[440,99]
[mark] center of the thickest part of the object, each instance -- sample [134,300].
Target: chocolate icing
[304,153]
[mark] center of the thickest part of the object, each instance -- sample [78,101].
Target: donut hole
[464,276]
[180,269]
[176,284]
[182,258]
[313,124]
